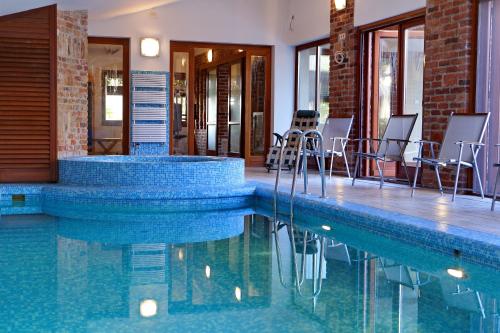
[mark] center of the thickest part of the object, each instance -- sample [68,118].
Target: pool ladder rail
[299,274]
[314,136]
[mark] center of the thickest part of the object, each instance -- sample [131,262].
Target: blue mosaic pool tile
[477,247]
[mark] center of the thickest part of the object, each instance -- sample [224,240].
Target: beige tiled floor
[467,211]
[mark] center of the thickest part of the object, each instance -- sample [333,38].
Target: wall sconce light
[210,55]
[150,47]
[340,4]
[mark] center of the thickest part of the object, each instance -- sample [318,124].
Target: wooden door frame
[125,43]
[248,51]
[367,36]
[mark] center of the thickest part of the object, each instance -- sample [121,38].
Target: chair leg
[381,173]
[355,170]
[438,177]
[414,187]
[495,190]
[479,180]
[456,182]
[346,165]
[405,167]
[331,165]
[317,162]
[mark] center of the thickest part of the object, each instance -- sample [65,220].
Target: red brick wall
[72,77]
[223,76]
[344,92]
[448,84]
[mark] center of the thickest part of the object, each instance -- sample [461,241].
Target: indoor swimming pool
[231,270]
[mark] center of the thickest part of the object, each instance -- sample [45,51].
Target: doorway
[221,100]
[108,96]
[394,59]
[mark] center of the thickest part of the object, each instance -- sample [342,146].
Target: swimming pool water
[221,272]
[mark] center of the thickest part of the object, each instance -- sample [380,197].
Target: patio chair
[461,144]
[391,147]
[497,180]
[303,120]
[336,131]
[463,298]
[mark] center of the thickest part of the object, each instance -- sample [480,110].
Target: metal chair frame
[437,163]
[497,180]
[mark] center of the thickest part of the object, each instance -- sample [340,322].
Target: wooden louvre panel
[28,150]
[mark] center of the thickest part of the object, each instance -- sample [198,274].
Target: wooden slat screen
[28,148]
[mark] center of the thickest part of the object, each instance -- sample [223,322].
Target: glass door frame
[316,44]
[249,51]
[367,75]
[125,43]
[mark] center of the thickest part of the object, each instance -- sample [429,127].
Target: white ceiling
[98,9]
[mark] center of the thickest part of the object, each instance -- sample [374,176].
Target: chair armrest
[427,142]
[279,138]
[469,143]
[398,140]
[339,138]
[366,139]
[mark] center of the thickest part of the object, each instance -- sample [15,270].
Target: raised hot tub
[162,171]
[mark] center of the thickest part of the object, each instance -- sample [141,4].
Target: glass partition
[180,102]
[235,109]
[414,56]
[258,104]
[212,111]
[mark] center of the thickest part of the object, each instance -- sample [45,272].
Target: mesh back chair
[391,147]
[303,120]
[461,144]
[336,131]
[497,180]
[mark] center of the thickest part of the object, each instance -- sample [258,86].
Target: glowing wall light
[150,47]
[210,55]
[457,273]
[340,4]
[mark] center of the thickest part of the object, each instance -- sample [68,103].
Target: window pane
[414,83]
[212,135]
[235,102]
[306,94]
[234,138]
[212,97]
[114,108]
[258,91]
[324,82]
[387,80]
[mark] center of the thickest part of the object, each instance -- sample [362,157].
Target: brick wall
[448,80]
[449,35]
[223,76]
[344,92]
[72,122]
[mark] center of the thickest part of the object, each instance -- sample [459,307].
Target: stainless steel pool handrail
[301,155]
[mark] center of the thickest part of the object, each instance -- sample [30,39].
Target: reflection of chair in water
[337,251]
[402,275]
[462,298]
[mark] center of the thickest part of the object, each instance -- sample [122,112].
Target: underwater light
[326,227]
[457,273]
[148,308]
[237,293]
[208,271]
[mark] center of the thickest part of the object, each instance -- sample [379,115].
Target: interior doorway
[394,59]
[108,96]
[221,100]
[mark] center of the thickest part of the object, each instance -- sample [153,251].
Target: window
[313,70]
[112,97]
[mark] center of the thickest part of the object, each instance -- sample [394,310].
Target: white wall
[223,21]
[311,20]
[369,11]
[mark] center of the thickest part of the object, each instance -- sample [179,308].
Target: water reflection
[59,274]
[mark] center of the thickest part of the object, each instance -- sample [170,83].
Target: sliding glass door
[212,112]
[395,61]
